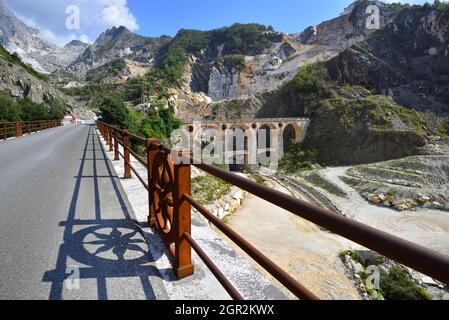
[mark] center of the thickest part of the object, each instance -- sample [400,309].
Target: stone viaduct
[261,135]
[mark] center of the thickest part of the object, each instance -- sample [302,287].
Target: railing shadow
[103,248]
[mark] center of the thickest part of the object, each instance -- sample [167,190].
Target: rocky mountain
[408,60]
[352,26]
[382,98]
[117,43]
[21,81]
[238,62]
[209,72]
[27,42]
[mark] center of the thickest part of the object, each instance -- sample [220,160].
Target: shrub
[207,189]
[236,61]
[160,124]
[9,110]
[441,5]
[57,110]
[444,128]
[397,285]
[297,158]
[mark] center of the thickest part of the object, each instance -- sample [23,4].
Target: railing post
[151,154]
[116,144]
[105,135]
[182,221]
[126,154]
[18,133]
[5,131]
[111,146]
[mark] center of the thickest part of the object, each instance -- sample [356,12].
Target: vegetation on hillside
[94,93]
[108,70]
[237,40]
[159,124]
[297,158]
[350,124]
[27,110]
[437,4]
[236,61]
[207,189]
[443,130]
[395,283]
[14,59]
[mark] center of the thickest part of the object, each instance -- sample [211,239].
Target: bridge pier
[255,149]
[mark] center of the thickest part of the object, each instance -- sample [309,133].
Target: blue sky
[157,17]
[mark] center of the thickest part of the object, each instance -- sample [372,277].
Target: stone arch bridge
[278,133]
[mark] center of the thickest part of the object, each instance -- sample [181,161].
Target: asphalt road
[66,227]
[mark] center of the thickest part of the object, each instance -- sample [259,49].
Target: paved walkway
[63,213]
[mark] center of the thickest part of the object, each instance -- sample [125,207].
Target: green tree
[160,124]
[57,110]
[9,110]
[115,112]
[441,5]
[31,111]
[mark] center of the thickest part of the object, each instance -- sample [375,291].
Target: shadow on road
[101,248]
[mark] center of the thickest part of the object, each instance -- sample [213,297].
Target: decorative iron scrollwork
[162,182]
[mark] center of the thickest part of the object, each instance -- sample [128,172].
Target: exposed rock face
[23,85]
[408,61]
[266,72]
[117,43]
[223,83]
[71,51]
[279,63]
[18,37]
[350,27]
[353,135]
[190,107]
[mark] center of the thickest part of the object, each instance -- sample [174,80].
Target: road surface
[67,230]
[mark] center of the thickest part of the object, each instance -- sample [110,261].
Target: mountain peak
[115,31]
[75,43]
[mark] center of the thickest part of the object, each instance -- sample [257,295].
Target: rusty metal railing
[20,128]
[170,202]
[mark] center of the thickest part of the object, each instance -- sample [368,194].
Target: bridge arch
[291,133]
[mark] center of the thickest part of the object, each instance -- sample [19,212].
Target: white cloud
[116,13]
[49,16]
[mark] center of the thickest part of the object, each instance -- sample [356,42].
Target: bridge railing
[170,202]
[20,128]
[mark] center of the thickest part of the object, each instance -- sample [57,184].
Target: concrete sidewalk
[202,285]
[70,228]
[67,230]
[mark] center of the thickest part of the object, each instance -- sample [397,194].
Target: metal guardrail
[170,202]
[20,128]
